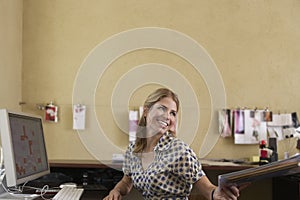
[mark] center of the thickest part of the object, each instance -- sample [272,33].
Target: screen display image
[23,146]
[28,144]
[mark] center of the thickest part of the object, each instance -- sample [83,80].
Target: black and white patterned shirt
[171,174]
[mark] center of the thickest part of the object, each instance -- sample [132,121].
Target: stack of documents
[279,168]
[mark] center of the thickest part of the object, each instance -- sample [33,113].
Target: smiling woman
[159,116]
[160,165]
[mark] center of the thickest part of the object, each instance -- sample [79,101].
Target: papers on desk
[117,158]
[280,168]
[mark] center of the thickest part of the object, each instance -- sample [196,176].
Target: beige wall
[254,44]
[10,53]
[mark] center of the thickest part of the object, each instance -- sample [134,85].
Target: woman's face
[162,117]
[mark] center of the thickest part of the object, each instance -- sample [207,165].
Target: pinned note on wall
[133,123]
[79,117]
[249,126]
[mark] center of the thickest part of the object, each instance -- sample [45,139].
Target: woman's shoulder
[174,144]
[177,142]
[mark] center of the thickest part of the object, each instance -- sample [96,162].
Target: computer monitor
[23,146]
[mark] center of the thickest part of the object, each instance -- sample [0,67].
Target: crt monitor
[23,146]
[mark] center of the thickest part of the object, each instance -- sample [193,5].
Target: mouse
[68,184]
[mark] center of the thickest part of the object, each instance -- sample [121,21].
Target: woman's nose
[168,115]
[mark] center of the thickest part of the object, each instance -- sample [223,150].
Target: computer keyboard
[68,193]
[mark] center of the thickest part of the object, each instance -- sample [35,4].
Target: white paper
[281,120]
[276,131]
[79,117]
[253,129]
[133,121]
[117,158]
[224,123]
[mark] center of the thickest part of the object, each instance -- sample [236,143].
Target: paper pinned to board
[281,120]
[79,117]
[133,122]
[249,127]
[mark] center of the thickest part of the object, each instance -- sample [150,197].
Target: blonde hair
[153,98]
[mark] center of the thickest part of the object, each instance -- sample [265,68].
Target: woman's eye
[173,114]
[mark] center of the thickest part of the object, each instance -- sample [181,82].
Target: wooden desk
[85,164]
[212,169]
[211,165]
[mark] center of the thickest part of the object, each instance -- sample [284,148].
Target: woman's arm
[211,192]
[122,188]
[203,187]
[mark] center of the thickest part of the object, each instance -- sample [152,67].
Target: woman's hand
[226,193]
[122,188]
[114,194]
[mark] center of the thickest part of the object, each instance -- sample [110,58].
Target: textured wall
[254,44]
[10,54]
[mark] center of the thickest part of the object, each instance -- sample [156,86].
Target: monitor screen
[23,146]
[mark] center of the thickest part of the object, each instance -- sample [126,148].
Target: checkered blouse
[170,176]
